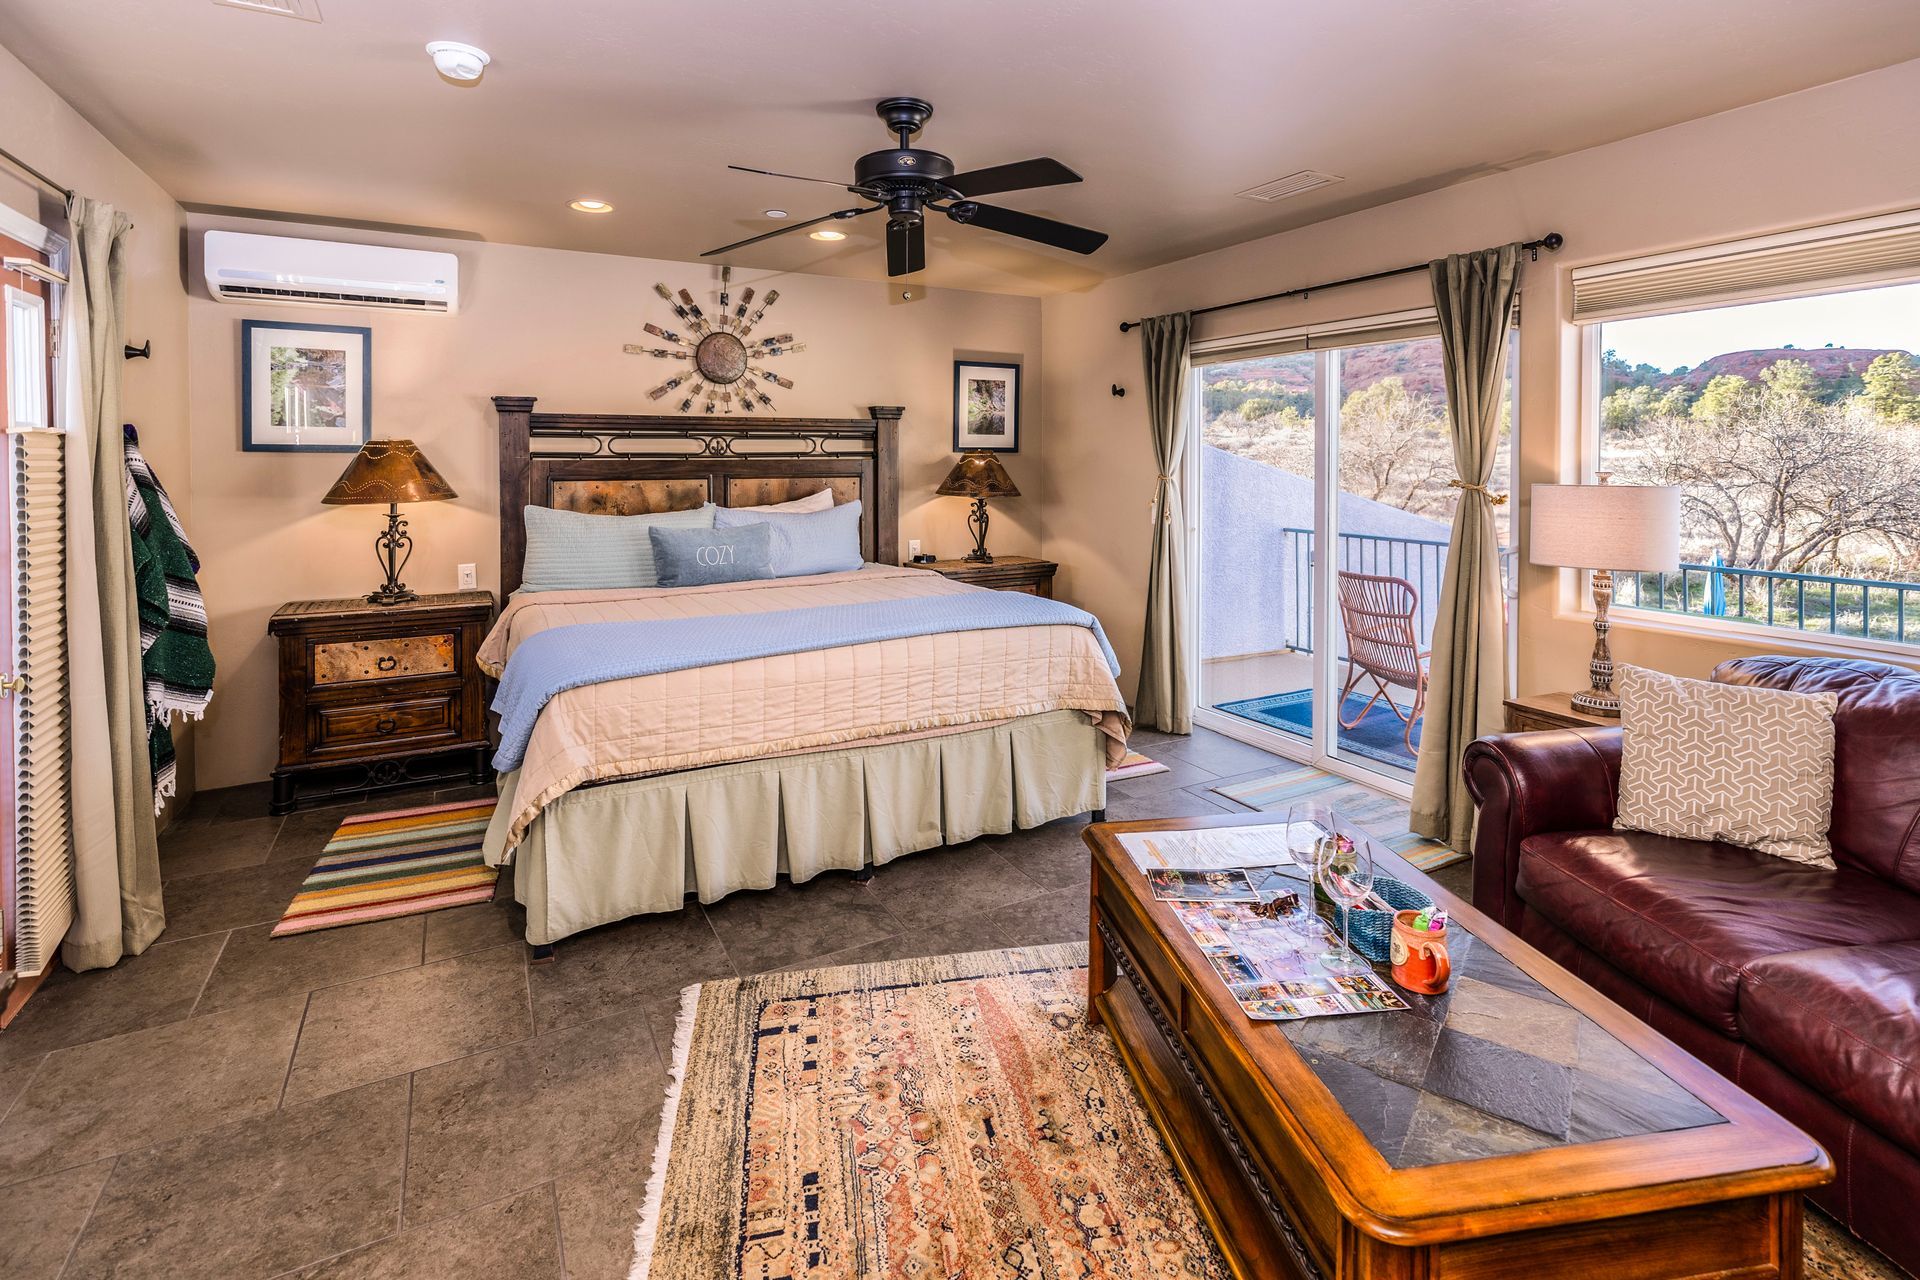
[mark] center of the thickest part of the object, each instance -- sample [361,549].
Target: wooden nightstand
[1552,711]
[1004,573]
[375,696]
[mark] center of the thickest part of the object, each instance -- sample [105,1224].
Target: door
[26,377]
[1322,514]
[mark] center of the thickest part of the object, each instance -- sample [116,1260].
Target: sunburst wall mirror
[726,364]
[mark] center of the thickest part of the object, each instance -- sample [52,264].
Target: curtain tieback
[1166,479]
[1495,499]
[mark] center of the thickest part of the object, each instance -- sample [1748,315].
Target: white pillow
[812,502]
[1706,761]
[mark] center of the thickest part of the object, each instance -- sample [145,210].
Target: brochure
[1272,967]
[1169,884]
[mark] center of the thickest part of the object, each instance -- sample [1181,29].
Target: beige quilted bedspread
[730,711]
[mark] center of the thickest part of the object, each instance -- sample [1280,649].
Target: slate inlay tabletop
[1495,1066]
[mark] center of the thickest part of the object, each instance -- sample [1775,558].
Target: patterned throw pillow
[1707,761]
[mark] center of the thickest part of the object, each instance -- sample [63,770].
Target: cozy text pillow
[1709,761]
[702,557]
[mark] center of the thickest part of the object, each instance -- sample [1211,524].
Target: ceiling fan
[907,182]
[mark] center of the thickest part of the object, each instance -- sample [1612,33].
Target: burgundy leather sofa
[1800,984]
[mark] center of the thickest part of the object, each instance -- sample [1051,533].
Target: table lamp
[978,475]
[393,472]
[1604,527]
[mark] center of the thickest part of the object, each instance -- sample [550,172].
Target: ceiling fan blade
[792,226]
[1028,226]
[906,248]
[1043,172]
[770,173]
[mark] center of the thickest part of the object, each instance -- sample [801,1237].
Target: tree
[1394,448]
[1779,480]
[1891,387]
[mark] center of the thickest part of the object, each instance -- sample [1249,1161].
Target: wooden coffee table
[1520,1125]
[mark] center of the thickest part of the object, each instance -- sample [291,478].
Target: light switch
[469,577]
[913,547]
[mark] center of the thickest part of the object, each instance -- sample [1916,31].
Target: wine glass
[1308,824]
[1344,869]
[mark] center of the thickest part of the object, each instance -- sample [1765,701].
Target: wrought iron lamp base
[392,549]
[977,521]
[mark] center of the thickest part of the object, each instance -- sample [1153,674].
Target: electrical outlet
[913,547]
[469,577]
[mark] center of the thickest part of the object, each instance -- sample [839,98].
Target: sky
[1887,317]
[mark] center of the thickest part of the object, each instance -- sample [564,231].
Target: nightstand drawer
[375,726]
[356,661]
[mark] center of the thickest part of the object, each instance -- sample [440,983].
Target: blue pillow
[571,550]
[805,542]
[702,557]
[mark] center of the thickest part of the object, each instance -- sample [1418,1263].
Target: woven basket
[1371,932]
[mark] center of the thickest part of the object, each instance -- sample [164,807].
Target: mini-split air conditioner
[327,273]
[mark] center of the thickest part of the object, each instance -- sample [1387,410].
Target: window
[1792,428]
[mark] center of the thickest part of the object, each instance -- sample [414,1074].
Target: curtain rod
[1551,242]
[35,174]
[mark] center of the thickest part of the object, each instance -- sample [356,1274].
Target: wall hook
[1119,390]
[142,352]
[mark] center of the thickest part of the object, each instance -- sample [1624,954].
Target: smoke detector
[458,61]
[305,10]
[1293,184]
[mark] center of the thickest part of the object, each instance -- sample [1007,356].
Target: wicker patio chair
[1382,644]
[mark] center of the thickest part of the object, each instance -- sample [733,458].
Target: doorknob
[12,684]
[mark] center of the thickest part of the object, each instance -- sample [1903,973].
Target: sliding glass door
[1321,513]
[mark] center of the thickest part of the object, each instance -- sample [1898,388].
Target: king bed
[820,727]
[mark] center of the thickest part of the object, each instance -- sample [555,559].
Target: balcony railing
[1864,608]
[1421,561]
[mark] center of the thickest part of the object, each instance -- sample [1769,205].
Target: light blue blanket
[563,658]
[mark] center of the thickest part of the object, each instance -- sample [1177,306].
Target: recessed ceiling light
[827,235]
[585,205]
[458,61]
[776,213]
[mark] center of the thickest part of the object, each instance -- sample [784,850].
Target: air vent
[321,298]
[305,10]
[1292,185]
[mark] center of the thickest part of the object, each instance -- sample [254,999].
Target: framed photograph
[305,388]
[986,406]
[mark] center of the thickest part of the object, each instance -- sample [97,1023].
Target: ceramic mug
[1419,956]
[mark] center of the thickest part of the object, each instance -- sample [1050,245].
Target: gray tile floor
[410,1097]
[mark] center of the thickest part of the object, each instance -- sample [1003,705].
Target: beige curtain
[1164,701]
[1474,294]
[116,855]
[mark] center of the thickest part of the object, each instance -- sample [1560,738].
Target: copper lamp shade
[978,475]
[390,471]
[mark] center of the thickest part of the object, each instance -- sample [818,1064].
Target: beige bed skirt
[603,853]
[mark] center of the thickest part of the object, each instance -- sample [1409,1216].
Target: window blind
[1399,328]
[1841,255]
[43,863]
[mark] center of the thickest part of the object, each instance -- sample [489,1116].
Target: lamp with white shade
[1604,527]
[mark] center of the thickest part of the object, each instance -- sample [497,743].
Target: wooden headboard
[621,464]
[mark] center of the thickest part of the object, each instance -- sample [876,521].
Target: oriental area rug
[951,1116]
[945,1117]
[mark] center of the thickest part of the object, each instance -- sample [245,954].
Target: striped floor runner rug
[1383,815]
[1135,765]
[380,865]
